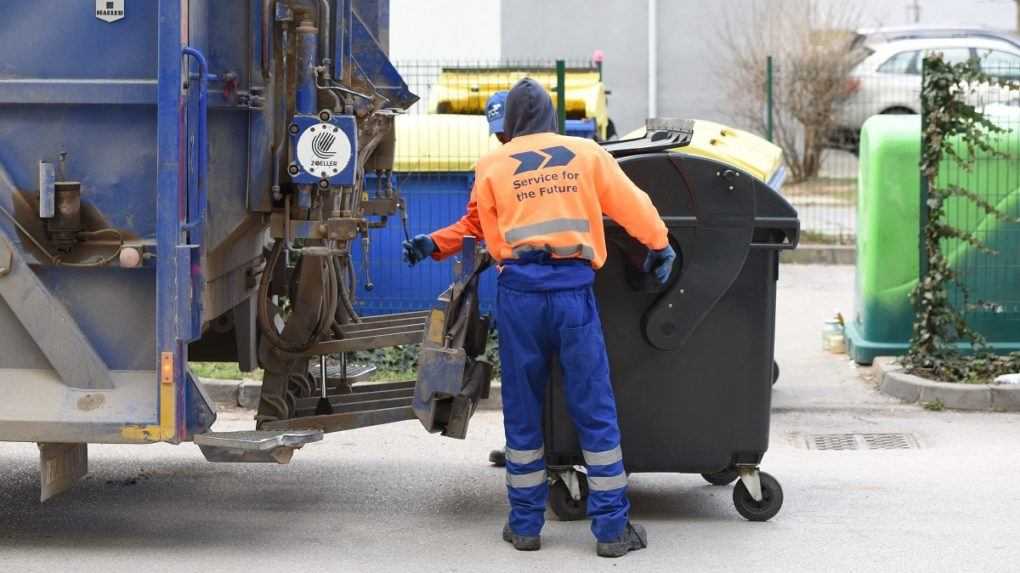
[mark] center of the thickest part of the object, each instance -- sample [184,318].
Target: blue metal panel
[434,200]
[373,65]
[113,308]
[64,39]
[172,285]
[77,91]
[343,14]
[109,149]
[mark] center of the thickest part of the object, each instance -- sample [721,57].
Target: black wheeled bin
[692,362]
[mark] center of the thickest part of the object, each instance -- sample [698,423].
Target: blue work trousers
[534,326]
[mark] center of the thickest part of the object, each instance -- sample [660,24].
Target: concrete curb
[222,392]
[820,255]
[975,397]
[245,394]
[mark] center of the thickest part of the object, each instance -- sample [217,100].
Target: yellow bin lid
[741,149]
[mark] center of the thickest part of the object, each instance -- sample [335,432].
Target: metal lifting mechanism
[130,246]
[336,130]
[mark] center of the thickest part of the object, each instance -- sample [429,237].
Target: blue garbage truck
[185,179]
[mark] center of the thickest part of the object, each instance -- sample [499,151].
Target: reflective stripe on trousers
[533,327]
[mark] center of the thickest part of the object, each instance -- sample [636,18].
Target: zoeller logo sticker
[322,145]
[323,150]
[557,156]
[110,10]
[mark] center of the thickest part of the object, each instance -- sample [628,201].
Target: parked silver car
[888,79]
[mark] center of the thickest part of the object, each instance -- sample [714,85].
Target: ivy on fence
[953,130]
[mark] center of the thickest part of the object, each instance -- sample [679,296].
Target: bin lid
[741,149]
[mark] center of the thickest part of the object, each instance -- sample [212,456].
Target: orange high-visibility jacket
[548,192]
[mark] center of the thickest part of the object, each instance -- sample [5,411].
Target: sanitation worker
[538,203]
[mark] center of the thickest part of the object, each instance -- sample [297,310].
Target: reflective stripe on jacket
[548,192]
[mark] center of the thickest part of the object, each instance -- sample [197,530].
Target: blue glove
[419,248]
[661,263]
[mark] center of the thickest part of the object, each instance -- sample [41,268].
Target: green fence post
[561,95]
[769,103]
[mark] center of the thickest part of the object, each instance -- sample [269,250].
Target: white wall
[444,29]
[687,61]
[999,14]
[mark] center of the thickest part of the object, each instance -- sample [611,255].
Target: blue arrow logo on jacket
[556,156]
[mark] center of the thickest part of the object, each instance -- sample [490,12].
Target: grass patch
[841,189]
[386,375]
[935,405]
[222,371]
[817,238]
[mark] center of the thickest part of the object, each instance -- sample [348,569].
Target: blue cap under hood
[529,110]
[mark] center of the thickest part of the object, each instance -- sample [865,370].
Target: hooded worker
[538,203]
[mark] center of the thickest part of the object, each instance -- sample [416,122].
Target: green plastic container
[888,247]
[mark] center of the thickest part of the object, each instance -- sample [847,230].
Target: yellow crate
[441,142]
[465,91]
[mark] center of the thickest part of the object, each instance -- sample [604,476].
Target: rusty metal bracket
[379,207]
[336,229]
[49,324]
[342,229]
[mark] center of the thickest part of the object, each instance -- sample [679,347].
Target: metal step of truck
[360,406]
[254,446]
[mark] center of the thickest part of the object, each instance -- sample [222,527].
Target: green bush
[402,361]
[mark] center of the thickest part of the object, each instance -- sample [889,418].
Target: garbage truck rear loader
[185,179]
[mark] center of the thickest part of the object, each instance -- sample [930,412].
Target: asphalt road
[396,499]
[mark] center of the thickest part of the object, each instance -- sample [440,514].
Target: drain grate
[840,442]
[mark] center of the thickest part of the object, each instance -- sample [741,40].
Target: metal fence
[991,304]
[817,117]
[821,138]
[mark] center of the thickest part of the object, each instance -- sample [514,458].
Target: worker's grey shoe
[522,542]
[633,538]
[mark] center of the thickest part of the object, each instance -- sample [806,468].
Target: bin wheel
[775,372]
[764,510]
[498,458]
[566,507]
[724,477]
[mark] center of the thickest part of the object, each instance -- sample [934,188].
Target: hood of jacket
[529,110]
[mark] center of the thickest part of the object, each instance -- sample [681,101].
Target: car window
[999,64]
[901,63]
[956,55]
[950,55]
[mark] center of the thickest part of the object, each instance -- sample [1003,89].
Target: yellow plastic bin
[465,91]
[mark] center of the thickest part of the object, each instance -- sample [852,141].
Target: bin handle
[787,227]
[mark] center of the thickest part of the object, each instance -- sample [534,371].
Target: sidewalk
[811,379]
[378,499]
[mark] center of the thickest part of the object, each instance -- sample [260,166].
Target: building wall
[444,30]
[688,42]
[574,29]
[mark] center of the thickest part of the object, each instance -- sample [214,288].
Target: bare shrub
[810,43]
